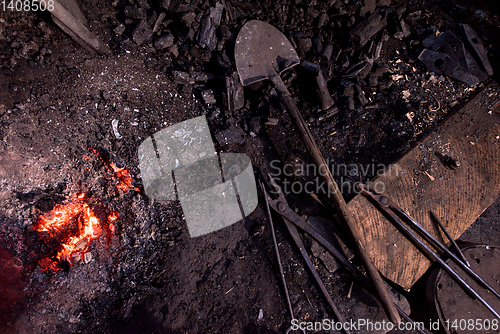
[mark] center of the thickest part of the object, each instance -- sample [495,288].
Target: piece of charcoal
[188,18]
[343,62]
[134,13]
[183,78]
[350,102]
[201,76]
[365,30]
[216,13]
[142,32]
[224,61]
[119,30]
[327,51]
[383,3]
[272,121]
[373,80]
[368,7]
[255,125]
[304,44]
[229,136]
[143,4]
[174,50]
[328,114]
[164,42]
[322,20]
[312,13]
[235,97]
[165,4]
[361,96]
[159,21]
[152,19]
[207,37]
[208,96]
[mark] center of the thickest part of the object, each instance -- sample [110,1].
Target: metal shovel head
[261,50]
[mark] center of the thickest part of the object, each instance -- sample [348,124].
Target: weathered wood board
[420,182]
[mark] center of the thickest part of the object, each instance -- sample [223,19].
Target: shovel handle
[336,198]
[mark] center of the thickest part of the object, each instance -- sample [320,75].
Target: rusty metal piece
[462,66]
[457,48]
[463,56]
[437,44]
[442,63]
[475,43]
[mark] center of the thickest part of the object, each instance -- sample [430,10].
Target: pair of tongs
[292,221]
[393,211]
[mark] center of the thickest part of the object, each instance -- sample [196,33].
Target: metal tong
[391,209]
[292,221]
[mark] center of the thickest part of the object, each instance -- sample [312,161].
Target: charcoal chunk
[369,7]
[164,42]
[142,33]
[143,4]
[229,136]
[255,125]
[134,13]
[119,30]
[365,30]
[208,96]
[182,78]
[304,44]
[323,20]
[159,21]
[188,18]
[235,97]
[165,4]
[207,37]
[216,13]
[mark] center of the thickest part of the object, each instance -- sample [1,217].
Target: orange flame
[60,218]
[125,179]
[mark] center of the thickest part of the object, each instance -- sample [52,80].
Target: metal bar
[438,245]
[429,253]
[445,231]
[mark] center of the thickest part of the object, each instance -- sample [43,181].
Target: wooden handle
[336,198]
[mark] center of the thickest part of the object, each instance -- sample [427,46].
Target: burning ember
[76,225]
[123,175]
[77,220]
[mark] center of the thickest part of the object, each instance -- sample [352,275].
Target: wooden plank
[420,182]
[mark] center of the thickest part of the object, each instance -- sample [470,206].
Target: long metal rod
[445,231]
[429,253]
[438,245]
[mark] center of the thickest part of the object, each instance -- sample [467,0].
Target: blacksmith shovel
[263,52]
